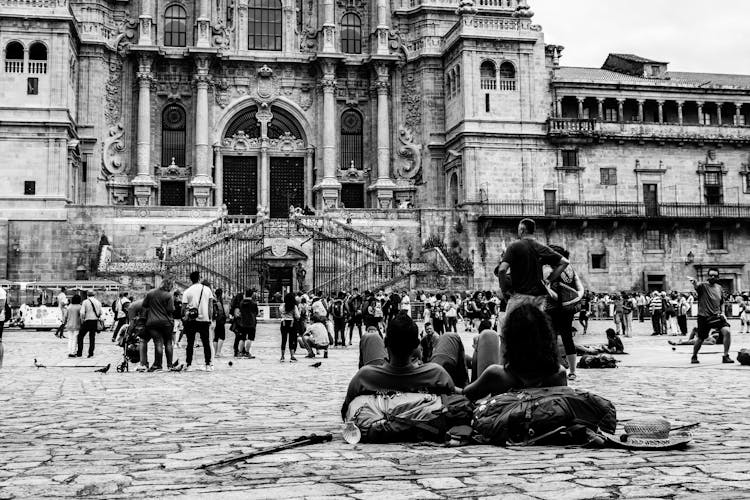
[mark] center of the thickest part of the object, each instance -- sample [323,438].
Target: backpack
[220,314]
[337,309]
[743,357]
[549,415]
[437,311]
[247,315]
[597,361]
[355,305]
[408,417]
[377,309]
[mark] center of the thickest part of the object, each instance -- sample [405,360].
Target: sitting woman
[531,356]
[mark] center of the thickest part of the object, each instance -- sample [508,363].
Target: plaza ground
[67,431]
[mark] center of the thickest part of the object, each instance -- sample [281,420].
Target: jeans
[682,323]
[451,324]
[88,326]
[339,330]
[162,337]
[449,353]
[202,328]
[656,322]
[628,323]
[288,333]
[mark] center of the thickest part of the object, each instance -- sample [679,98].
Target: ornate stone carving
[126,31]
[411,103]
[241,142]
[287,143]
[305,98]
[172,171]
[119,189]
[266,83]
[409,164]
[113,86]
[352,173]
[221,91]
[112,148]
[222,35]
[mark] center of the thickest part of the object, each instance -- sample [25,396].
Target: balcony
[609,210]
[596,130]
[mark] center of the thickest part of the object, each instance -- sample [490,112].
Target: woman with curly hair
[531,356]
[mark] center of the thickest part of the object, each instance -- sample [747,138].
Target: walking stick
[300,441]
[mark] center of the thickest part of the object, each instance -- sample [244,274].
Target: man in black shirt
[710,314]
[525,259]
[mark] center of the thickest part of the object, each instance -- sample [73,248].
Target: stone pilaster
[384,185]
[382,28]
[329,186]
[145,22]
[202,184]
[329,27]
[203,25]
[144,183]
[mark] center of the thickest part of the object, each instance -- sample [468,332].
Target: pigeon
[230,363]
[38,365]
[317,365]
[103,370]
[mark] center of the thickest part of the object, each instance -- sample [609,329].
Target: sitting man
[316,337]
[531,356]
[399,374]
[371,349]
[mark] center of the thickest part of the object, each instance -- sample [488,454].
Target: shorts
[355,320]
[246,332]
[159,331]
[220,332]
[706,324]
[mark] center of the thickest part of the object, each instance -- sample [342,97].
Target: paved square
[68,431]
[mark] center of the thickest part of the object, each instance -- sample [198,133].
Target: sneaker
[325,354]
[141,368]
[292,359]
[726,359]
[72,356]
[694,360]
[187,368]
[209,368]
[282,359]
[310,356]
[250,356]
[155,369]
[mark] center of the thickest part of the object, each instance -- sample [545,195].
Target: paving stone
[441,483]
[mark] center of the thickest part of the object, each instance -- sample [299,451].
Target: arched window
[351,140]
[487,76]
[351,34]
[38,58]
[175,26]
[458,79]
[14,57]
[173,135]
[507,76]
[264,18]
[448,85]
[453,191]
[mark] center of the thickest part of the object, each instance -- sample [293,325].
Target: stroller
[130,345]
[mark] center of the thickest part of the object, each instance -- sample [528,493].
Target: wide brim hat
[651,434]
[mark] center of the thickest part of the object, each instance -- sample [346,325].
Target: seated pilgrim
[531,356]
[399,373]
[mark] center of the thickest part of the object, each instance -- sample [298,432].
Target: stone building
[413,123]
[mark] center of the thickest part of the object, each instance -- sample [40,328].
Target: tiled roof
[675,78]
[637,59]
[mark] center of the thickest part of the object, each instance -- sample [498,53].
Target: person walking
[197,310]
[290,319]
[451,314]
[338,313]
[641,304]
[62,303]
[91,311]
[159,307]
[710,314]
[354,312]
[177,331]
[682,311]
[120,308]
[4,316]
[655,308]
[220,317]
[72,324]
[246,314]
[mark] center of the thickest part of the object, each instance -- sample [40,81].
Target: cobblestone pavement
[67,431]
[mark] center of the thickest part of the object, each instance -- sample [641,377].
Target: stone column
[384,185]
[580,107]
[558,107]
[700,112]
[620,111]
[737,113]
[264,177]
[201,183]
[600,108]
[241,24]
[143,183]
[203,23]
[661,111]
[382,28]
[718,113]
[680,118]
[640,110]
[309,167]
[329,186]
[329,27]
[144,23]
[219,176]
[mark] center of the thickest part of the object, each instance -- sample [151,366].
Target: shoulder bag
[99,320]
[191,313]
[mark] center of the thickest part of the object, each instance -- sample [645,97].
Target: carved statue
[409,165]
[301,274]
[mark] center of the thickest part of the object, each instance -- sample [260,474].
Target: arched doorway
[265,162]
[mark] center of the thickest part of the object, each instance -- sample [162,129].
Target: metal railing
[617,209]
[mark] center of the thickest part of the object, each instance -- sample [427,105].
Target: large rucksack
[437,311]
[247,314]
[743,357]
[549,415]
[337,308]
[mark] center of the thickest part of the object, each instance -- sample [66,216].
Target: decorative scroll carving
[411,102]
[113,86]
[126,31]
[113,146]
[409,164]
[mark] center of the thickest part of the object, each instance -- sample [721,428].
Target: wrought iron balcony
[610,210]
[561,128]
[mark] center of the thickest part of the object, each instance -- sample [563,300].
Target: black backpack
[247,314]
[548,415]
[337,309]
[743,357]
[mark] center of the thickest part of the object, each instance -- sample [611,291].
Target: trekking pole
[300,441]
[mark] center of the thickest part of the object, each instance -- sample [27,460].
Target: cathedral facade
[413,120]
